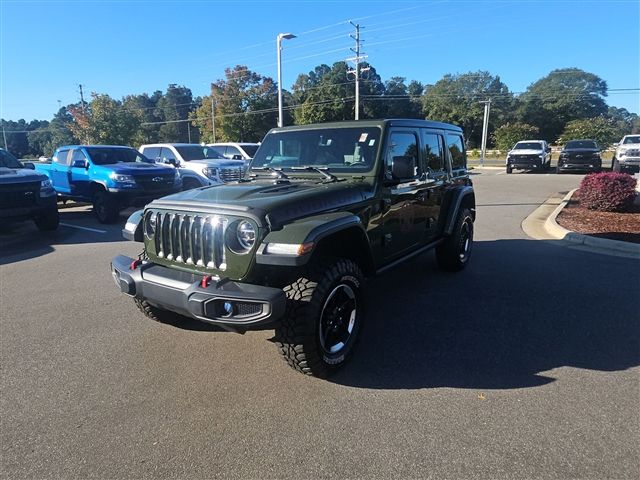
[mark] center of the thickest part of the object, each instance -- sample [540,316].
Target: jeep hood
[275,202]
[19,175]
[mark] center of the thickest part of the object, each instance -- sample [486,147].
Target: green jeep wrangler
[289,246]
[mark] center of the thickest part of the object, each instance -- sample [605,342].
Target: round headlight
[150,224]
[246,234]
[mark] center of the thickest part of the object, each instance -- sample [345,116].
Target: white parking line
[501,173]
[95,230]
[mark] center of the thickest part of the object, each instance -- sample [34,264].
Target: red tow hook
[206,280]
[135,264]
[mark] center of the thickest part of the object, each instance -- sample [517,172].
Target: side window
[231,151]
[167,155]
[218,149]
[433,151]
[403,150]
[456,149]
[77,154]
[62,157]
[152,153]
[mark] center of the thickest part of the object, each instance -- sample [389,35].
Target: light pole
[485,130]
[286,36]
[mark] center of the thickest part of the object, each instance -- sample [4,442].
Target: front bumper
[138,197]
[524,164]
[579,166]
[42,206]
[181,292]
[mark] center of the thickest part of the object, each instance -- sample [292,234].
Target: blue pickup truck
[111,177]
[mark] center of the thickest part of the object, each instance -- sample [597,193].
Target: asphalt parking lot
[525,365]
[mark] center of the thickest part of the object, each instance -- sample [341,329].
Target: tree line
[566,103]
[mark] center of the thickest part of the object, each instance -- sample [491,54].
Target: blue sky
[123,47]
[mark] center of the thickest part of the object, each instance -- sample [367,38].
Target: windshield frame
[366,141]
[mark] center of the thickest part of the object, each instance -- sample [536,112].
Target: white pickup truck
[199,165]
[627,156]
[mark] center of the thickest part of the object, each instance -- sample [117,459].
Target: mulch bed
[623,226]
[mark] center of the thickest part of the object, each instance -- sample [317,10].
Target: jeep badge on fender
[289,245]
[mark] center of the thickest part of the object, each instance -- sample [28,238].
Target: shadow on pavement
[22,240]
[520,309]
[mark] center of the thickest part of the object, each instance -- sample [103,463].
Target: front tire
[49,221]
[454,253]
[323,318]
[105,207]
[509,169]
[155,313]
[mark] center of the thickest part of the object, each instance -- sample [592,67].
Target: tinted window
[581,144]
[109,155]
[456,149]
[635,139]
[402,144]
[250,150]
[340,149]
[167,154]
[152,153]
[197,152]
[528,146]
[231,151]
[62,157]
[8,160]
[218,149]
[434,151]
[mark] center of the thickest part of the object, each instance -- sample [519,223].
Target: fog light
[227,308]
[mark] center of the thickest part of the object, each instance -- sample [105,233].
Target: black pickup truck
[289,246]
[26,194]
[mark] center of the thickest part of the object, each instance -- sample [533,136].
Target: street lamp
[286,36]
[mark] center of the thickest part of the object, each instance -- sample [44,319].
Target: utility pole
[485,129]
[4,135]
[213,118]
[356,71]
[81,98]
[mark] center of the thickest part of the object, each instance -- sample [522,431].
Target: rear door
[436,177]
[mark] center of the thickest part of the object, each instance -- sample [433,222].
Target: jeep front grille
[191,239]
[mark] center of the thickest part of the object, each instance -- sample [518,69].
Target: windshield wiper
[324,171]
[278,171]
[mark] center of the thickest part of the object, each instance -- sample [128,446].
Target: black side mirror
[29,165]
[403,168]
[237,157]
[170,161]
[80,164]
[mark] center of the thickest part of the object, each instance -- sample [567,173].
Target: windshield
[338,149]
[634,139]
[197,152]
[250,150]
[109,155]
[528,146]
[8,160]
[581,144]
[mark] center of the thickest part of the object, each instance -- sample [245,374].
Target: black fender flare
[457,196]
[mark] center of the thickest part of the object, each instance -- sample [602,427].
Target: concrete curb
[542,225]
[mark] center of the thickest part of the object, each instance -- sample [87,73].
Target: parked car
[529,155]
[580,155]
[236,151]
[627,155]
[26,194]
[199,165]
[288,247]
[109,176]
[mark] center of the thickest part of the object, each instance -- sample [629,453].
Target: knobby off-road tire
[454,253]
[323,317]
[48,221]
[154,313]
[105,207]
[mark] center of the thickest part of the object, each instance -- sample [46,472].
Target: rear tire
[323,318]
[454,253]
[105,207]
[49,221]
